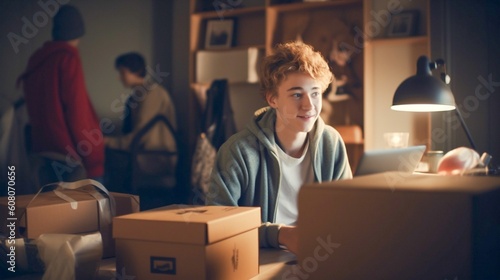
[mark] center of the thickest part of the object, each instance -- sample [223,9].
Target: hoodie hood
[264,123]
[49,49]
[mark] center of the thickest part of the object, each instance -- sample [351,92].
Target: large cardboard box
[48,213]
[188,242]
[399,226]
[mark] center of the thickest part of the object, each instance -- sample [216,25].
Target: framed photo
[403,24]
[219,34]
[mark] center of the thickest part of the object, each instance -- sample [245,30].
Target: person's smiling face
[297,102]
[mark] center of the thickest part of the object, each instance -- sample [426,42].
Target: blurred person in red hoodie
[61,114]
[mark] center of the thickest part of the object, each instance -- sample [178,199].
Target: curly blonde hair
[293,57]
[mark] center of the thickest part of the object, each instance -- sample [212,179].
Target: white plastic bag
[70,256]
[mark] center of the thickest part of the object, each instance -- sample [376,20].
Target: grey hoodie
[247,170]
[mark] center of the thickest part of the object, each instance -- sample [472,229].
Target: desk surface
[273,264]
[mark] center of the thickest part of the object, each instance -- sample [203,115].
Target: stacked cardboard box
[48,213]
[188,242]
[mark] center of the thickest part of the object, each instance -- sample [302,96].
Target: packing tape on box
[106,202]
[73,203]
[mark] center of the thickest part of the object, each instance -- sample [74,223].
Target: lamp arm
[439,63]
[466,129]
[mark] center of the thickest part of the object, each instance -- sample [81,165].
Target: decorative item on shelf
[242,68]
[425,93]
[335,39]
[340,64]
[220,6]
[281,2]
[403,24]
[219,34]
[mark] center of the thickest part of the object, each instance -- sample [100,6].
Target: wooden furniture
[257,21]
[381,61]
[273,263]
[388,61]
[354,143]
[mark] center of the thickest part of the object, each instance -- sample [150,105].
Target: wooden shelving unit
[229,13]
[387,62]
[304,6]
[256,24]
[264,23]
[399,41]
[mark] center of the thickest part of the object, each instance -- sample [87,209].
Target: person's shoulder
[154,88]
[158,91]
[331,134]
[242,142]
[60,49]
[332,144]
[67,57]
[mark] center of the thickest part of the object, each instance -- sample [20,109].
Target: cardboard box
[189,242]
[126,203]
[49,213]
[399,226]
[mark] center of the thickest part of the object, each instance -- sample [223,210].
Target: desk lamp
[425,93]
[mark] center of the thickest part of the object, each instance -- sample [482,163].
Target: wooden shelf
[312,5]
[398,40]
[387,62]
[264,23]
[230,13]
[235,48]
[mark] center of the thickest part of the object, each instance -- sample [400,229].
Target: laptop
[398,159]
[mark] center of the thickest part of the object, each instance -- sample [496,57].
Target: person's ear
[271,99]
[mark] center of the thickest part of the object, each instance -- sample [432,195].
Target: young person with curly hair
[286,145]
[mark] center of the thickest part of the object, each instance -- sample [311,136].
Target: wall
[113,27]
[179,34]
[465,35]
[158,29]
[390,64]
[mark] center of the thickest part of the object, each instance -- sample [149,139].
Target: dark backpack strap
[158,118]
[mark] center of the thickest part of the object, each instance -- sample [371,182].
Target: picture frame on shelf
[219,34]
[403,24]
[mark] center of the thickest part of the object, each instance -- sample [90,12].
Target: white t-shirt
[295,172]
